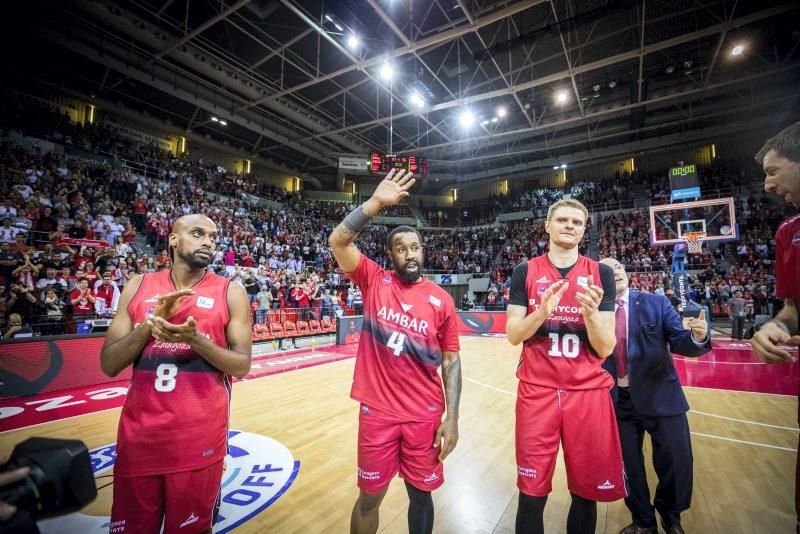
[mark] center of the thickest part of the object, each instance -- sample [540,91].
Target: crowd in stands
[74,232]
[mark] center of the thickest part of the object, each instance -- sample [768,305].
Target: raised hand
[765,343]
[168,304]
[394,187]
[590,298]
[552,296]
[698,326]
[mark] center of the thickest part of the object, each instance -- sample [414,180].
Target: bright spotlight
[223,123]
[561,97]
[387,71]
[485,122]
[738,49]
[555,167]
[214,119]
[328,18]
[495,119]
[417,100]
[467,119]
[353,42]
[563,165]
[501,112]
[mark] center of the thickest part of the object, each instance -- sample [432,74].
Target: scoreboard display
[683,177]
[379,163]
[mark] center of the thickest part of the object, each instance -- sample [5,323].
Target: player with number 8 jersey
[161,430]
[186,331]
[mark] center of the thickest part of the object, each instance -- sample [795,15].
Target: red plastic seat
[276,329]
[314,326]
[303,328]
[289,328]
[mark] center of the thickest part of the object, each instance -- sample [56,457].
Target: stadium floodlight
[495,119]
[501,112]
[387,72]
[563,165]
[555,167]
[214,119]
[561,97]
[223,123]
[467,118]
[328,18]
[612,84]
[485,122]
[353,42]
[338,27]
[738,49]
[417,100]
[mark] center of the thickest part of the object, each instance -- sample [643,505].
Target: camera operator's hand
[7,478]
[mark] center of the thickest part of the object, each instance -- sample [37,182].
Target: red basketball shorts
[584,421]
[388,445]
[186,502]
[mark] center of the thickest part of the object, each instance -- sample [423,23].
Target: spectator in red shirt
[82,301]
[19,247]
[162,259]
[107,296]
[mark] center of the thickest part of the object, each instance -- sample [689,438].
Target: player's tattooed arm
[447,433]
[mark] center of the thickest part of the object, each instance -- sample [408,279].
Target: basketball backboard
[669,223]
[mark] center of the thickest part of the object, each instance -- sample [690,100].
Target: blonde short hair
[568,203]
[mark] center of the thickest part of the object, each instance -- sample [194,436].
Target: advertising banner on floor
[41,366]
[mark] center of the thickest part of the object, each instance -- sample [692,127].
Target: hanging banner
[353,164]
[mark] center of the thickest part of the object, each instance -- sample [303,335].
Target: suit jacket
[655,331]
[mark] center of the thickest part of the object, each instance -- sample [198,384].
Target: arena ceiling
[576,79]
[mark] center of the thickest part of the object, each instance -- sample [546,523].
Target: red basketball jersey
[406,329]
[175,417]
[559,355]
[787,258]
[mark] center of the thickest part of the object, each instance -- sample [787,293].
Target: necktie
[621,348]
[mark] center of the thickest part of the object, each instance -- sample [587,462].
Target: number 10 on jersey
[568,345]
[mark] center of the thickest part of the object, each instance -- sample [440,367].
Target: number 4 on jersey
[395,342]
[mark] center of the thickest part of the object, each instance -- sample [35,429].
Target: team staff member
[650,398]
[566,324]
[186,331]
[410,330]
[780,157]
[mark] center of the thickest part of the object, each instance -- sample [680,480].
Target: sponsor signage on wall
[353,164]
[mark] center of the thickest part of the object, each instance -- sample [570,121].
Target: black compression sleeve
[519,295]
[609,288]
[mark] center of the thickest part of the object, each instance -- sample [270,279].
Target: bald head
[620,276]
[193,240]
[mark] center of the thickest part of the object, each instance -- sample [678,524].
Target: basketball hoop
[693,239]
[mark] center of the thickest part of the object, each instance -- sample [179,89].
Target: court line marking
[696,360]
[789,449]
[505,391]
[747,421]
[740,391]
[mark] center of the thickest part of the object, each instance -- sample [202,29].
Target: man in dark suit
[649,397]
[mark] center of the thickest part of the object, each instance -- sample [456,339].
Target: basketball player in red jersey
[566,324]
[186,331]
[410,330]
[780,158]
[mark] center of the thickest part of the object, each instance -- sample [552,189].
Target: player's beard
[192,259]
[406,276]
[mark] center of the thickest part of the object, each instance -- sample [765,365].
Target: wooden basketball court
[744,448]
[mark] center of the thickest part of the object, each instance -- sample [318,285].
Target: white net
[694,241]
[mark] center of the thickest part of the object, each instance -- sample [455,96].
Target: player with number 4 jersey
[410,331]
[565,322]
[186,331]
